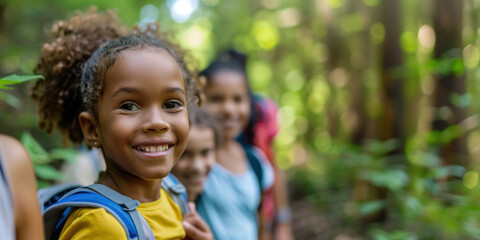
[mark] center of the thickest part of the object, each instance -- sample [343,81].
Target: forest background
[378,101]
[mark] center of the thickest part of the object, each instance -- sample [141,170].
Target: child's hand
[194,225]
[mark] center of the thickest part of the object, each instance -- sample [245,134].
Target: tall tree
[391,121]
[449,82]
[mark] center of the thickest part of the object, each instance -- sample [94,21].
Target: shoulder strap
[177,192]
[50,195]
[3,170]
[98,196]
[255,163]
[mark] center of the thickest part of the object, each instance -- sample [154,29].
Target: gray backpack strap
[50,195]
[143,229]
[57,213]
[177,192]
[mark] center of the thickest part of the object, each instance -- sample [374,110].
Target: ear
[90,130]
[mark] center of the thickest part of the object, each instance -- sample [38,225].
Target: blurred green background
[378,101]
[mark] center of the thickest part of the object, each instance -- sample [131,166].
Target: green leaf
[42,184]
[393,179]
[379,148]
[47,172]
[14,78]
[413,205]
[452,170]
[64,154]
[472,229]
[36,151]
[6,88]
[371,207]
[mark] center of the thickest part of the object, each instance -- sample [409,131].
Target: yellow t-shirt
[163,216]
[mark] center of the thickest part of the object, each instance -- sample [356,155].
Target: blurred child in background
[194,166]
[232,193]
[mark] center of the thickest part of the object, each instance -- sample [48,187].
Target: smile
[153,148]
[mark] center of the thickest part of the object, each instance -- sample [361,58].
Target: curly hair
[61,62]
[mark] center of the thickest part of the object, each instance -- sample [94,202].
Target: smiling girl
[131,102]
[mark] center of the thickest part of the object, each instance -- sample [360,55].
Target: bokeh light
[426,37]
[470,179]
[471,56]
[181,10]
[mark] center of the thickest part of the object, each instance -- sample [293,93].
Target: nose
[228,108]
[155,120]
[196,164]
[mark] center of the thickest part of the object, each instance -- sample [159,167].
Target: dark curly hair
[76,62]
[61,61]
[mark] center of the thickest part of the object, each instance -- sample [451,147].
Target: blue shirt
[7,222]
[230,201]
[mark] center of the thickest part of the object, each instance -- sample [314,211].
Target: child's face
[228,100]
[193,167]
[142,115]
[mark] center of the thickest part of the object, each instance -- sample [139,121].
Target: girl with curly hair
[130,99]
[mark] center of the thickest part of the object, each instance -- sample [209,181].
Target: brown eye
[129,106]
[172,105]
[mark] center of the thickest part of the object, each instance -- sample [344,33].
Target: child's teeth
[153,148]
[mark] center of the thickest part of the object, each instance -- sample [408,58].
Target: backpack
[263,128]
[265,124]
[56,203]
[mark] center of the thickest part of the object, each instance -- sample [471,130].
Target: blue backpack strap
[97,196]
[255,164]
[130,206]
[177,192]
[50,195]
[3,175]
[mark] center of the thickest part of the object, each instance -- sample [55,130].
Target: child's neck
[232,157]
[133,187]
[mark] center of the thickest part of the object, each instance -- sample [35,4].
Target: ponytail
[61,62]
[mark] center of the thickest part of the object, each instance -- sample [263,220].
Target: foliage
[424,199]
[42,160]
[10,80]
[321,61]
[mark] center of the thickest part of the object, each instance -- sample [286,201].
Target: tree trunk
[391,122]
[448,30]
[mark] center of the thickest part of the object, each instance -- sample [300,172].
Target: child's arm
[282,227]
[194,225]
[22,183]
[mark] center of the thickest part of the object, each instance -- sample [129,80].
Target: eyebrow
[134,90]
[176,89]
[125,89]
